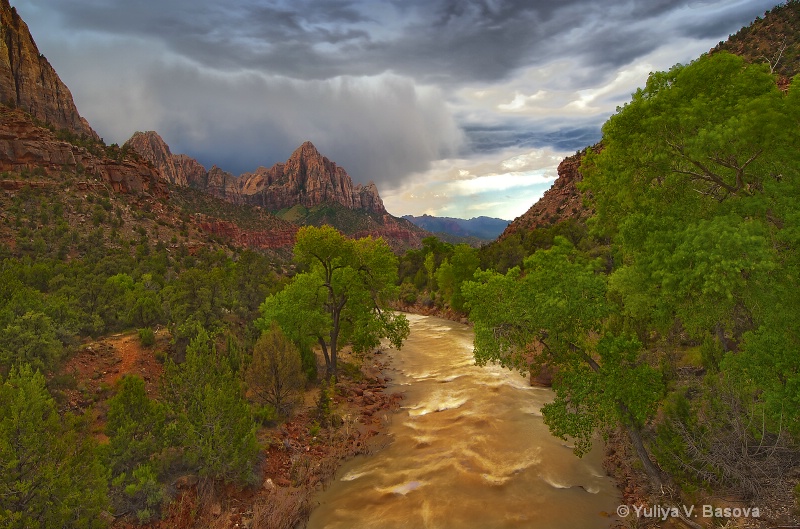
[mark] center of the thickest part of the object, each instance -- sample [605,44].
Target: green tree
[275,375]
[214,424]
[50,474]
[341,298]
[30,339]
[559,308]
[696,188]
[135,429]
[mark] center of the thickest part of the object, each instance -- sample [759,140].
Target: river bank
[300,458]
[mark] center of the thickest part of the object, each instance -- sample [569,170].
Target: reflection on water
[469,450]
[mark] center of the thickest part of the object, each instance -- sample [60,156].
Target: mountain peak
[177,170]
[306,151]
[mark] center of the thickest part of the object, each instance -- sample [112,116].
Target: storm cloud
[401,92]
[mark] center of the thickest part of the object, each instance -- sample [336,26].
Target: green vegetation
[433,275]
[275,375]
[50,473]
[340,298]
[691,256]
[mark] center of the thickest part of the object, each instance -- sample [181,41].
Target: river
[468,450]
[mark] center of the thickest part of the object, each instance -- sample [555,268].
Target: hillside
[563,201]
[773,40]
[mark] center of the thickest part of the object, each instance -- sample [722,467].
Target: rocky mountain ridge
[307,178]
[26,146]
[45,143]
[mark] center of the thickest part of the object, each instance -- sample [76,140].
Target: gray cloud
[451,41]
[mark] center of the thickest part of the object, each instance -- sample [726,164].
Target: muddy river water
[468,450]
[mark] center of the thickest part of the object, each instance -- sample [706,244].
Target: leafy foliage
[214,425]
[341,298]
[275,374]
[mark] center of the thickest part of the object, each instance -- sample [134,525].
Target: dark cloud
[483,139]
[378,129]
[430,40]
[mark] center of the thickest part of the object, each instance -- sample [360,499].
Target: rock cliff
[29,82]
[26,146]
[306,178]
[179,170]
[309,179]
[561,202]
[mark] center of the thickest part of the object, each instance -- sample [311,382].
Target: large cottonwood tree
[341,297]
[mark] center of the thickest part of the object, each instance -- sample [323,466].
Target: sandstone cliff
[309,179]
[561,202]
[179,170]
[26,146]
[28,81]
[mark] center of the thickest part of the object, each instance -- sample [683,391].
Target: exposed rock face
[179,170]
[27,146]
[561,202]
[280,237]
[309,179]
[28,81]
[222,184]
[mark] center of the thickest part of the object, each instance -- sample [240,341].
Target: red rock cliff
[310,179]
[177,169]
[561,202]
[28,81]
[26,146]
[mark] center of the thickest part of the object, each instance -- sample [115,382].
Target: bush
[275,375]
[147,337]
[214,424]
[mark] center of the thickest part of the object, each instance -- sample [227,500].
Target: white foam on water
[555,484]
[438,402]
[353,475]
[495,481]
[401,490]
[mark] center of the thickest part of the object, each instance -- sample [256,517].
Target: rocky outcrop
[279,237]
[222,184]
[561,202]
[309,179]
[29,82]
[177,169]
[26,146]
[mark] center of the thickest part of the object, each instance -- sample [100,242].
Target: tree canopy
[696,190]
[340,297]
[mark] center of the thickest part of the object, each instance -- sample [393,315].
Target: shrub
[275,375]
[147,337]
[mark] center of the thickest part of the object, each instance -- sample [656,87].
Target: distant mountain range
[484,228]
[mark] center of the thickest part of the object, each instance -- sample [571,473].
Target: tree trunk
[649,467]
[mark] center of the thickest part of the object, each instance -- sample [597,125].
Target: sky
[456,108]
